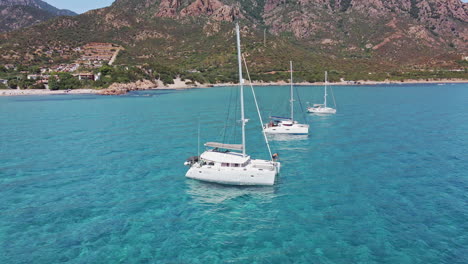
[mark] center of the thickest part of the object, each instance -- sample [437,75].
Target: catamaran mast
[241,83]
[292,93]
[326,83]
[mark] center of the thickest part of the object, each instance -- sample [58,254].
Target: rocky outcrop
[123,88]
[307,18]
[387,25]
[168,8]
[201,7]
[214,9]
[226,13]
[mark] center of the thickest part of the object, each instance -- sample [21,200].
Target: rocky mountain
[15,14]
[345,35]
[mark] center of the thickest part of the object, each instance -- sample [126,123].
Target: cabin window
[224,164]
[211,163]
[235,165]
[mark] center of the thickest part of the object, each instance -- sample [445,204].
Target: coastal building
[43,82]
[95,53]
[3,81]
[34,76]
[85,76]
[66,67]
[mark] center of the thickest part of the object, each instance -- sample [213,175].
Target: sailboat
[286,125]
[229,163]
[322,108]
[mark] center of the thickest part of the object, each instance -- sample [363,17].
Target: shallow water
[91,179]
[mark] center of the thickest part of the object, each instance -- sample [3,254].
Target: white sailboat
[229,163]
[322,108]
[286,125]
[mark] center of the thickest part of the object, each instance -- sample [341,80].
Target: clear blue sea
[93,179]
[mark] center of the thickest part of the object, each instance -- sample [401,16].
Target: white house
[34,76]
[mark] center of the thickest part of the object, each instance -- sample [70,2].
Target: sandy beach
[17,92]
[180,84]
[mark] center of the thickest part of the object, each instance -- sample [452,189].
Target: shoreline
[16,92]
[180,85]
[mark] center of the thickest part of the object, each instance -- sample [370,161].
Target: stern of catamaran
[192,160]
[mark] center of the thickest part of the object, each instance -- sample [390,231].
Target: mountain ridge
[16,14]
[38,4]
[345,35]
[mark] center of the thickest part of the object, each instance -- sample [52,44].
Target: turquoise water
[90,179]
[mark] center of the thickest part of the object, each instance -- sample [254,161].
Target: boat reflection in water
[213,193]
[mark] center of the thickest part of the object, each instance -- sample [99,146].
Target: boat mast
[241,83]
[326,83]
[292,93]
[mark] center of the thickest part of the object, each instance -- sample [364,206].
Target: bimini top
[224,146]
[224,157]
[279,118]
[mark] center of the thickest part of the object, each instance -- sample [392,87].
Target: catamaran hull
[291,130]
[233,176]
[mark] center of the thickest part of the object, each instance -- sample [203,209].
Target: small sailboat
[229,163]
[286,125]
[323,108]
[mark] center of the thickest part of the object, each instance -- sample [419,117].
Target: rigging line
[236,115]
[198,145]
[224,131]
[333,95]
[258,110]
[270,110]
[300,104]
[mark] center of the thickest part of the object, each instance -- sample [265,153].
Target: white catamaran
[323,108]
[286,125]
[229,163]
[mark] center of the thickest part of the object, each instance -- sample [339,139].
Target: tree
[35,69]
[106,70]
[21,68]
[38,86]
[68,81]
[53,83]
[25,83]
[13,83]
